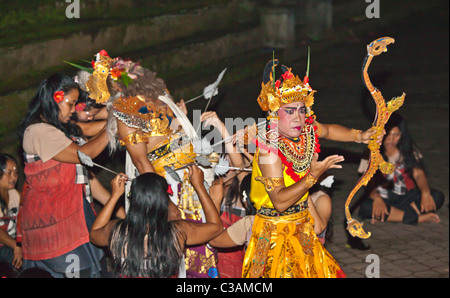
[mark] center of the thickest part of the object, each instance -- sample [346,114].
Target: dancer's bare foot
[429,217]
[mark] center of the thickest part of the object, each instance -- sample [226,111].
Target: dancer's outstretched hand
[320,167]
[365,136]
[210,118]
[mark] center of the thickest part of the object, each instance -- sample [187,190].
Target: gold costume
[175,154]
[284,245]
[145,108]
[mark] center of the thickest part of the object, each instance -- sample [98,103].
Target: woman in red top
[56,215]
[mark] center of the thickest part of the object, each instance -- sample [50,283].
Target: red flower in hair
[169,190]
[116,73]
[58,96]
[287,75]
[80,106]
[103,53]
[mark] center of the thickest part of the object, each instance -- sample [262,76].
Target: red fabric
[289,170]
[230,260]
[409,182]
[19,215]
[52,215]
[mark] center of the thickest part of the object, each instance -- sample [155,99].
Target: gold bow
[383,112]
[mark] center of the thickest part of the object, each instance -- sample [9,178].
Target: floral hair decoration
[106,67]
[58,96]
[80,106]
[169,190]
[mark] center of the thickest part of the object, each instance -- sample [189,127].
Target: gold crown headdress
[103,68]
[287,89]
[96,84]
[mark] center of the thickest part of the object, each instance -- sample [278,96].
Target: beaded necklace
[295,154]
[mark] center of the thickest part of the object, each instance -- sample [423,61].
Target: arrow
[87,161]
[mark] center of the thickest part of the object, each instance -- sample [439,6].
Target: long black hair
[232,196]
[3,161]
[407,147]
[43,105]
[245,194]
[145,243]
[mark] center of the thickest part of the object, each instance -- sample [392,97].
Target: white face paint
[292,119]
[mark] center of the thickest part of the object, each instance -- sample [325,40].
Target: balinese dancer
[158,137]
[285,167]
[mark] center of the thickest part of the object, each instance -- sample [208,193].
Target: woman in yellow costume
[285,166]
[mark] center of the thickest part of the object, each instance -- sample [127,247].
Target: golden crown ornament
[287,89]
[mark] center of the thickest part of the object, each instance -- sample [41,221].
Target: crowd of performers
[260,217]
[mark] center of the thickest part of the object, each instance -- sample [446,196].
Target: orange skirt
[287,247]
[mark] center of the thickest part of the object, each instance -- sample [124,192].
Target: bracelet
[356,134]
[310,180]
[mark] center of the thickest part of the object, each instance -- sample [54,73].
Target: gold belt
[272,212]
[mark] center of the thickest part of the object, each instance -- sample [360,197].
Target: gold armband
[310,180]
[270,183]
[356,135]
[134,138]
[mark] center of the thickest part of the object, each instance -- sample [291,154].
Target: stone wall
[186,42]
[36,56]
[168,44]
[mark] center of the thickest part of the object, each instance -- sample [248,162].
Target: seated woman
[146,245]
[403,196]
[10,252]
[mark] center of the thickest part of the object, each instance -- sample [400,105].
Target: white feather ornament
[222,167]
